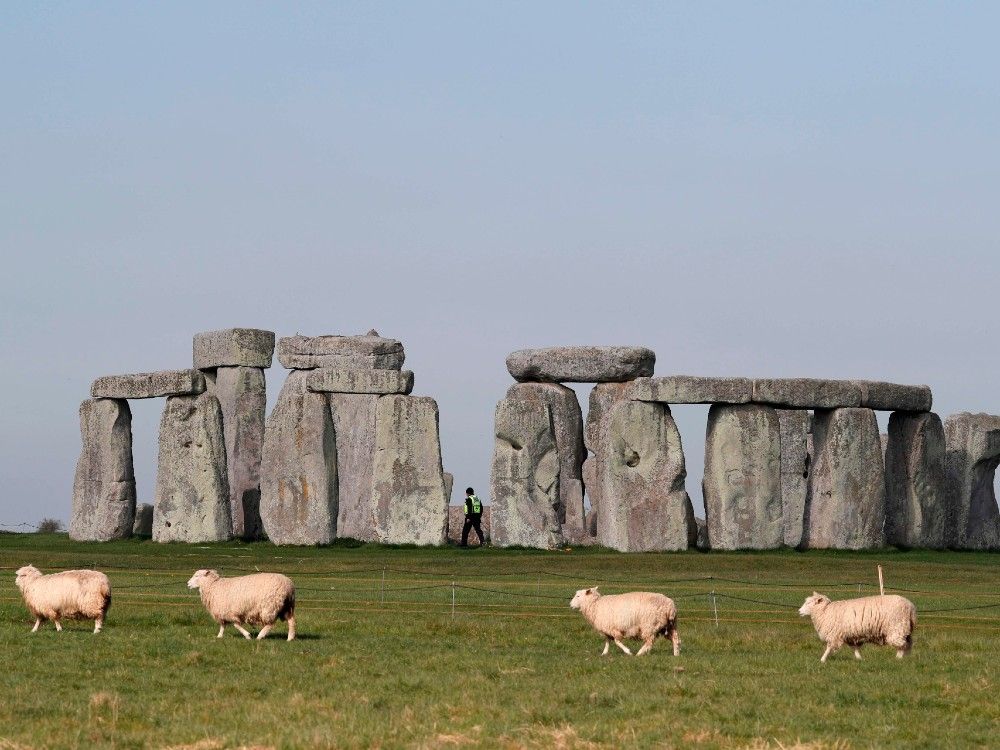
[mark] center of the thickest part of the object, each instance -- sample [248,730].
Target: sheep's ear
[594,589]
[816,593]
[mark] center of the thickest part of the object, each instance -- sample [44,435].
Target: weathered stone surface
[703,543]
[242,395]
[807,393]
[408,481]
[143,525]
[524,482]
[567,421]
[328,380]
[894,397]
[973,454]
[796,456]
[192,488]
[845,507]
[104,485]
[449,485]
[233,347]
[581,364]
[456,520]
[354,424]
[742,484]
[602,398]
[298,502]
[644,506]
[916,504]
[689,389]
[149,384]
[340,352]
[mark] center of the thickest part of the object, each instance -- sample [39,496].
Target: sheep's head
[201,577]
[811,602]
[25,574]
[583,595]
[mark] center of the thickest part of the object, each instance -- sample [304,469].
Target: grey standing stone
[149,384]
[449,485]
[644,506]
[233,347]
[688,389]
[845,508]
[524,482]
[581,364]
[796,457]
[354,425]
[408,480]
[807,393]
[742,484]
[298,503]
[242,395]
[916,512]
[192,488]
[340,352]
[703,543]
[328,380]
[143,526]
[603,398]
[973,454]
[894,397]
[104,484]
[567,421]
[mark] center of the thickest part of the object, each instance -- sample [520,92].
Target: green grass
[399,669]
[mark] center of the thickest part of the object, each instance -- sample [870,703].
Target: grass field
[384,659]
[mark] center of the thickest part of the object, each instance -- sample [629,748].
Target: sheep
[256,599]
[72,594]
[882,620]
[639,614]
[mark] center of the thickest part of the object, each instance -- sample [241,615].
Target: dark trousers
[472,522]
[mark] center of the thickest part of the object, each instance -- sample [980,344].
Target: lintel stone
[149,384]
[335,380]
[233,347]
[690,389]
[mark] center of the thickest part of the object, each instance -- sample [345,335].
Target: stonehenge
[347,451]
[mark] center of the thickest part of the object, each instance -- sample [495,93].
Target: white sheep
[881,620]
[256,599]
[72,594]
[639,614]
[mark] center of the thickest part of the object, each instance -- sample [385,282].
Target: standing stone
[192,489]
[298,503]
[644,506]
[242,395]
[104,485]
[795,426]
[742,484]
[143,526]
[524,482]
[603,397]
[581,364]
[449,486]
[916,503]
[973,454]
[567,421]
[354,424]
[408,480]
[845,507]
[702,541]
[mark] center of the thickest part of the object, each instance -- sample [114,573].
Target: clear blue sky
[757,189]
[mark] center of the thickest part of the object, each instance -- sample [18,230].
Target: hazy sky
[789,189]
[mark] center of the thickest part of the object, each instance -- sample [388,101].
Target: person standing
[473,517]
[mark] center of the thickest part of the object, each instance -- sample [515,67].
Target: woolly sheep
[639,614]
[72,594]
[882,620]
[256,599]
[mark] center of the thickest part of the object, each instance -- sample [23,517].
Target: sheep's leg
[58,625]
[98,624]
[646,646]
[607,645]
[263,632]
[290,619]
[676,639]
[222,630]
[38,624]
[900,653]
[623,647]
[826,653]
[243,631]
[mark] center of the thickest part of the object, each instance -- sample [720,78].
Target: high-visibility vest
[477,505]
